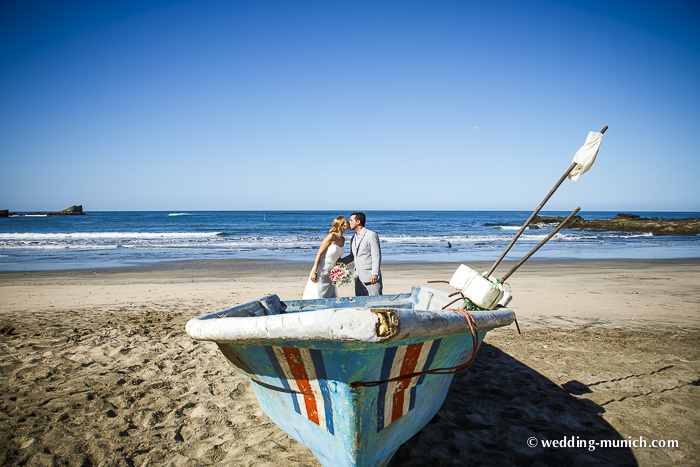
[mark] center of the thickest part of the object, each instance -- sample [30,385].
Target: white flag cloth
[585,157]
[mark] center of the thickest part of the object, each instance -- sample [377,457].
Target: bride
[319,284]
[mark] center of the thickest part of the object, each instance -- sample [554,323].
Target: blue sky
[347,105]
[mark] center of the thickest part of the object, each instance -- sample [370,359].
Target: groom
[367,255]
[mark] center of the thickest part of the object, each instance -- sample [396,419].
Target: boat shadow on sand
[500,405]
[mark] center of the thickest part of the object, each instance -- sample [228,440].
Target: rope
[437,371]
[455,300]
[468,304]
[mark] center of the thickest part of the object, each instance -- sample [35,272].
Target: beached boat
[354,378]
[351,378]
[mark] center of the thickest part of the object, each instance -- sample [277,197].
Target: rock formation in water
[71,211]
[629,223]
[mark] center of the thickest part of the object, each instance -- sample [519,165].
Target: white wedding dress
[323,287]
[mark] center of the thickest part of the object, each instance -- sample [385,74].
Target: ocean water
[114,239]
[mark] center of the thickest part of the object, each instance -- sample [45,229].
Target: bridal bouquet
[341,275]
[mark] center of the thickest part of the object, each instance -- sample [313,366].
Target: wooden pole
[532,252]
[532,216]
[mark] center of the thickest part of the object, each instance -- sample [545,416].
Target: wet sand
[99,371]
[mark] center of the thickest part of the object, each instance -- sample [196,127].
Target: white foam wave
[55,246]
[637,235]
[215,241]
[152,241]
[180,214]
[526,237]
[104,235]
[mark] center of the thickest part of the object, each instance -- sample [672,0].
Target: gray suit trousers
[363,290]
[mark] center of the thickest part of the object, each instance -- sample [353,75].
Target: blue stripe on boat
[431,357]
[412,402]
[389,355]
[317,358]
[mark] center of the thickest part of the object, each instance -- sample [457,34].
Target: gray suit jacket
[367,256]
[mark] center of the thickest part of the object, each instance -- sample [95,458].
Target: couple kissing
[365,253]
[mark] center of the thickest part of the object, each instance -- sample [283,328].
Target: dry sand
[99,371]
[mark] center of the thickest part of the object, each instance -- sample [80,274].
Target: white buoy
[484,292]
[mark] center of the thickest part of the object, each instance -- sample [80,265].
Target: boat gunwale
[270,320]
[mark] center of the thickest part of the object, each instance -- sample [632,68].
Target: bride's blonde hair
[337,224]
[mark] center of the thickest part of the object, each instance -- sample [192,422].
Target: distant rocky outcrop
[629,223]
[71,211]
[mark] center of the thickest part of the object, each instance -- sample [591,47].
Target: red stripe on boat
[407,366]
[296,365]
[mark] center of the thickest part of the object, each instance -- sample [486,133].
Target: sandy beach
[98,370]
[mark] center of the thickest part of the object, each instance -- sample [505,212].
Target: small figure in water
[449,245]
